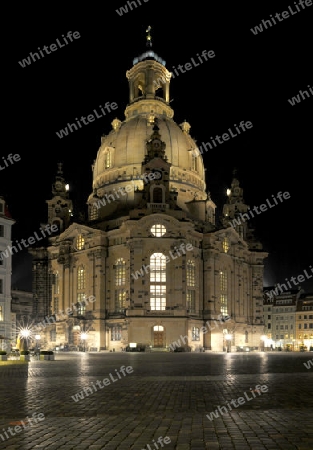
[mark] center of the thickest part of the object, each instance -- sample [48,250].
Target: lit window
[223,293]
[157,281]
[81,307]
[81,277]
[116,333]
[158,328]
[158,268]
[191,301]
[80,242]
[225,244]
[157,298]
[94,212]
[107,159]
[120,299]
[158,230]
[191,273]
[195,334]
[1,314]
[120,272]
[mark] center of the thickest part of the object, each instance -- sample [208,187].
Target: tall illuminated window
[157,281]
[81,278]
[120,272]
[195,334]
[80,242]
[191,273]
[223,292]
[81,298]
[191,283]
[1,314]
[107,159]
[191,300]
[94,212]
[120,280]
[225,244]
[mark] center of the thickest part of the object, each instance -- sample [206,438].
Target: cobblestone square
[167,395]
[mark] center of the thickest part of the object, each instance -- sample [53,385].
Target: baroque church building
[150,266]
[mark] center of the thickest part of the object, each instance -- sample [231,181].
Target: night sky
[251,78]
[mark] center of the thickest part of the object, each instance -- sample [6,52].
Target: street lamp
[228,338]
[25,334]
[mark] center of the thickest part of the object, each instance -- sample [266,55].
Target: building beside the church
[151,265]
[288,319]
[6,223]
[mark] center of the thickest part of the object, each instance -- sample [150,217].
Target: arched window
[158,281]
[157,195]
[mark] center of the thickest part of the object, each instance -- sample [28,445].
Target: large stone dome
[122,152]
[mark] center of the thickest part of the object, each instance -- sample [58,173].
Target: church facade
[150,267]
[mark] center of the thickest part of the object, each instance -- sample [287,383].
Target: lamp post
[263,339]
[228,338]
[37,337]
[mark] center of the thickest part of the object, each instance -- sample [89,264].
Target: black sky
[251,78]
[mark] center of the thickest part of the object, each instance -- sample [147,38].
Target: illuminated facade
[288,319]
[151,256]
